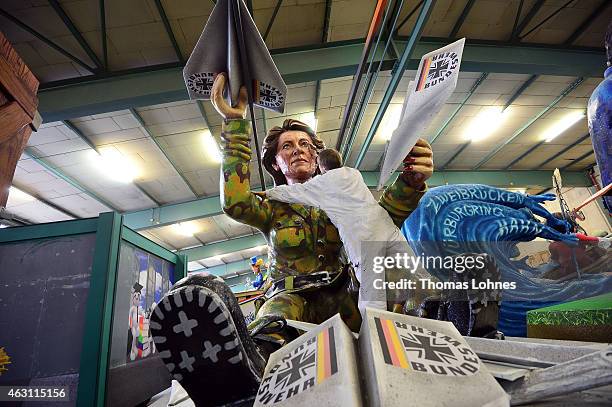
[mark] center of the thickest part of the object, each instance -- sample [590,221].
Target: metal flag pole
[565,213]
[247,80]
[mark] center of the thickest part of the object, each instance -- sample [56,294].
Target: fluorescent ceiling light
[485,123]
[19,195]
[568,121]
[2,226]
[185,229]
[390,121]
[211,147]
[115,166]
[310,119]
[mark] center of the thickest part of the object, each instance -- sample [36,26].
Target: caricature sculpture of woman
[600,121]
[310,283]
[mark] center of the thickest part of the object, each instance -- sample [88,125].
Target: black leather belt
[301,282]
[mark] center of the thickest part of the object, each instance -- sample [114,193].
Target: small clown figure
[256,265]
[134,328]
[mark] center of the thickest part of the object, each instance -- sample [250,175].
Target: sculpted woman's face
[294,157]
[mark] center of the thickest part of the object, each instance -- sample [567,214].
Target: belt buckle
[326,277]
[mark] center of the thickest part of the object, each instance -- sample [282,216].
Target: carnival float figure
[453,220]
[198,327]
[140,344]
[342,193]
[256,267]
[600,121]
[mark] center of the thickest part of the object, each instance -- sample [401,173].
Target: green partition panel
[54,248]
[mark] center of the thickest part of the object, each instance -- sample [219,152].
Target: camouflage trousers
[315,305]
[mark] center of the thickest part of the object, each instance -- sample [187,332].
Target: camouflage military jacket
[301,239]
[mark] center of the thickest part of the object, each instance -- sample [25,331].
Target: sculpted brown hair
[270,146]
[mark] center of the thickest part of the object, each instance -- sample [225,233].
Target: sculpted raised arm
[237,199]
[401,198]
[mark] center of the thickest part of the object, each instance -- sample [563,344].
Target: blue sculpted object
[456,219]
[600,121]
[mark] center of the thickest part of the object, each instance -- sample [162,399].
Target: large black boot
[200,333]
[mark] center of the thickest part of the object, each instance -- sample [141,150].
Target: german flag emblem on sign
[423,350]
[303,368]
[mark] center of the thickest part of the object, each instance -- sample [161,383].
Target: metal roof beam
[91,145]
[328,6]
[515,96]
[459,151]
[517,17]
[461,19]
[9,219]
[528,17]
[520,91]
[58,173]
[525,154]
[228,270]
[582,157]
[211,206]
[541,23]
[587,23]
[410,14]
[163,84]
[44,201]
[368,55]
[75,33]
[475,86]
[161,149]
[225,247]
[279,3]
[566,149]
[102,8]
[164,18]
[44,39]
[517,133]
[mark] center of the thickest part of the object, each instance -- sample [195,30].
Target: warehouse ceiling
[136,154]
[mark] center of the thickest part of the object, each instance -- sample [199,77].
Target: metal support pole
[372,77]
[374,26]
[248,82]
[397,76]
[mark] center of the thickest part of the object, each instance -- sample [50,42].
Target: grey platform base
[398,361]
[411,361]
[317,369]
